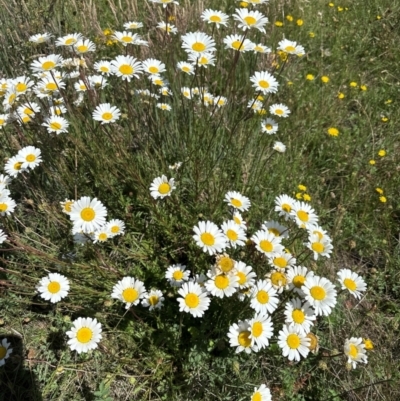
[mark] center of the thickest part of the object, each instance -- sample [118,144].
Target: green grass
[169,355]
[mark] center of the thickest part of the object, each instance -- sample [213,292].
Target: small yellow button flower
[388,101]
[341,95]
[325,79]
[363,87]
[311,34]
[331,5]
[383,199]
[369,345]
[310,77]
[307,197]
[340,9]
[379,190]
[299,22]
[372,162]
[353,84]
[244,4]
[302,187]
[378,17]
[289,18]
[333,131]
[384,119]
[278,23]
[382,153]
[299,195]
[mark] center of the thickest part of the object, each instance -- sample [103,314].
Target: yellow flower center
[103,237]
[51,86]
[286,208]
[280,262]
[3,207]
[293,341]
[317,247]
[264,85]
[130,295]
[268,127]
[126,39]
[278,279]
[290,48]
[1,121]
[115,229]
[186,69]
[84,335]
[55,125]
[198,47]
[153,70]
[266,246]
[237,44]
[107,116]
[259,49]
[48,65]
[226,264]
[318,293]
[215,18]
[298,316]
[68,205]
[313,341]
[12,98]
[207,239]
[82,48]
[237,220]
[302,215]
[262,297]
[53,287]
[221,281]
[192,300]
[257,329]
[244,339]
[26,119]
[298,281]
[126,69]
[353,352]
[21,87]
[164,188]
[153,300]
[3,352]
[242,278]
[250,20]
[232,235]
[70,41]
[17,166]
[350,284]
[88,214]
[256,396]
[203,60]
[177,275]
[30,158]
[103,68]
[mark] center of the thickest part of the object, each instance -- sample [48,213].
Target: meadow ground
[341,158]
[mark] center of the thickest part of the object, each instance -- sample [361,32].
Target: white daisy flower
[303,214]
[133,25]
[235,235]
[221,285]
[284,205]
[209,237]
[69,40]
[22,84]
[320,247]
[126,67]
[293,343]
[169,28]
[103,67]
[290,47]
[5,351]
[67,205]
[250,19]
[239,337]
[267,243]
[5,179]
[129,290]
[83,46]
[215,17]
[4,118]
[13,166]
[10,98]
[57,110]
[261,329]
[269,126]
[224,263]
[279,110]
[126,38]
[3,236]
[264,82]
[275,228]
[282,260]
[198,43]
[56,124]
[320,293]
[263,297]
[279,147]
[162,187]
[159,81]
[53,287]
[354,349]
[153,300]
[153,66]
[255,105]
[84,334]
[97,81]
[115,227]
[165,2]
[81,86]
[47,63]
[186,67]
[40,38]
[164,106]
[238,43]
[87,215]
[296,276]
[194,300]
[237,200]
[260,48]
[105,113]
[246,275]
[7,205]
[352,282]
[30,157]
[301,316]
[202,60]
[261,393]
[220,101]
[278,280]
[238,219]
[177,275]
[316,229]
[101,235]
[165,91]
